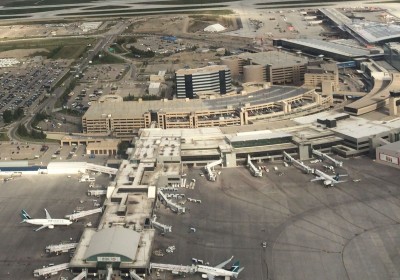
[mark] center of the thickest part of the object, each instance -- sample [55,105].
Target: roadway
[273,94]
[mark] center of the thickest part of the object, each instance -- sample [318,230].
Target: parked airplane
[328,180]
[48,222]
[218,271]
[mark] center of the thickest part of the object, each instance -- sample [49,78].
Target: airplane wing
[210,277]
[47,214]
[221,265]
[317,179]
[42,227]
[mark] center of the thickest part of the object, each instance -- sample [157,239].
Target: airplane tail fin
[235,266]
[236,274]
[25,215]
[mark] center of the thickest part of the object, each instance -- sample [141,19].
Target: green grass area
[4,137]
[56,48]
[142,11]
[107,58]
[13,17]
[71,112]
[109,7]
[45,2]
[118,48]
[6,12]
[69,51]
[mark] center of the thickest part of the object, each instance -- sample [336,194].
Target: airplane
[328,180]
[218,271]
[48,222]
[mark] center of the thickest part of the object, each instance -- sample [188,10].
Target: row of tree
[10,116]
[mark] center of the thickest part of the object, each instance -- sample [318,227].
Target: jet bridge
[325,156]
[81,275]
[160,226]
[109,272]
[76,216]
[51,270]
[174,268]
[174,207]
[211,175]
[97,192]
[134,276]
[60,248]
[297,163]
[253,169]
[101,168]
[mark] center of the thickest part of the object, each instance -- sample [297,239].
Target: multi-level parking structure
[122,119]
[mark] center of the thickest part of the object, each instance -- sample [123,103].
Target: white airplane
[219,271]
[328,180]
[45,223]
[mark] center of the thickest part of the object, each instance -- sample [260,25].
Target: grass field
[6,12]
[142,11]
[4,137]
[44,2]
[57,48]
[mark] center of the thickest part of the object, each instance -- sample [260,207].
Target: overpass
[378,97]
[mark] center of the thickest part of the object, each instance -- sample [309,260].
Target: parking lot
[42,154]
[25,86]
[349,231]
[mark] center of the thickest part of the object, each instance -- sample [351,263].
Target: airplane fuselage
[49,222]
[215,271]
[328,180]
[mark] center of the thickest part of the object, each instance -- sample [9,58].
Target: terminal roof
[277,59]
[114,240]
[336,47]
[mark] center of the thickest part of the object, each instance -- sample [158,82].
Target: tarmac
[350,231]
[22,250]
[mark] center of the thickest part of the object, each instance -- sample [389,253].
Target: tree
[8,116]
[22,131]
[19,113]
[122,147]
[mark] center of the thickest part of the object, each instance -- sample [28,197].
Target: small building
[154,88]
[389,154]
[104,147]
